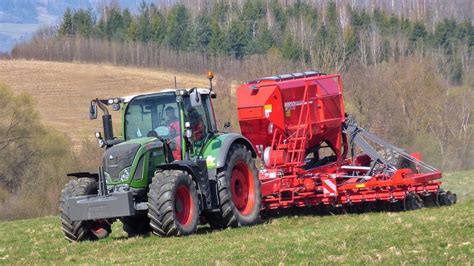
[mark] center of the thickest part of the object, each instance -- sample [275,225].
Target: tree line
[299,32]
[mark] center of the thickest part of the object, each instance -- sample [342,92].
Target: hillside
[428,236]
[62,91]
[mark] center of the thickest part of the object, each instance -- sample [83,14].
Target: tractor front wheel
[81,230]
[239,191]
[173,204]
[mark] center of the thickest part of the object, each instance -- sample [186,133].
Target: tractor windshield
[152,115]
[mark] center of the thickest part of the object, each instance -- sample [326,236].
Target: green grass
[462,183]
[430,236]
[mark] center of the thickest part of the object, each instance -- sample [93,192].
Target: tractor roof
[128,98]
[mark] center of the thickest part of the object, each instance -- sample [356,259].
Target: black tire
[173,204]
[76,231]
[247,213]
[412,201]
[447,198]
[431,200]
[136,225]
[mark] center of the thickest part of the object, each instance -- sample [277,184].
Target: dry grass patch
[62,91]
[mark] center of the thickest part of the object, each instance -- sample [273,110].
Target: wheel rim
[99,230]
[242,188]
[183,205]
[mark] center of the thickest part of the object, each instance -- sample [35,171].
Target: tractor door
[202,121]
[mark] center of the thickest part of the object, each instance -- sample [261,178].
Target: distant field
[62,91]
[429,236]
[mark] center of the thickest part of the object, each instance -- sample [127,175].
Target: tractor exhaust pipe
[106,118]
[108,129]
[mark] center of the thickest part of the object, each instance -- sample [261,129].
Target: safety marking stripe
[329,185]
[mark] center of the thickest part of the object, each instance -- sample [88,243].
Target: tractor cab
[181,118]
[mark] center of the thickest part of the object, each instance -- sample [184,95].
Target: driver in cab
[173,123]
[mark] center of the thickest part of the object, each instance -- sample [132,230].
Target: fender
[229,139]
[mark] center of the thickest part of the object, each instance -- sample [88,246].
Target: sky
[19,19]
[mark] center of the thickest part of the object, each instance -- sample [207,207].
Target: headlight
[124,174]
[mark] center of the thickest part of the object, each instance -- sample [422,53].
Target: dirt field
[62,91]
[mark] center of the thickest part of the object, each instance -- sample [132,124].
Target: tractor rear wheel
[239,190]
[81,230]
[173,204]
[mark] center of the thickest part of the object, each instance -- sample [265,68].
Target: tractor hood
[117,158]
[120,160]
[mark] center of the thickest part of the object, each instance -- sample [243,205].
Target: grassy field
[429,236]
[62,91]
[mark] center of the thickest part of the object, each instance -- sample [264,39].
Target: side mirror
[195,98]
[93,110]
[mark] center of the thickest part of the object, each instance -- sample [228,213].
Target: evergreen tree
[281,17]
[178,33]
[417,35]
[144,25]
[115,26]
[127,18]
[237,39]
[350,41]
[82,22]
[203,32]
[158,26]
[217,41]
[291,49]
[132,31]
[264,40]
[66,27]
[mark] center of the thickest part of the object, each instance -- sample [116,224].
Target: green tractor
[170,170]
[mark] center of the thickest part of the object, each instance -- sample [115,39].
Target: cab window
[149,113]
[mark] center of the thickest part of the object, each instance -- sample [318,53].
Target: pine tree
[144,25]
[203,32]
[82,22]
[158,26]
[237,39]
[291,50]
[66,27]
[132,31]
[115,27]
[178,33]
[217,41]
[264,40]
